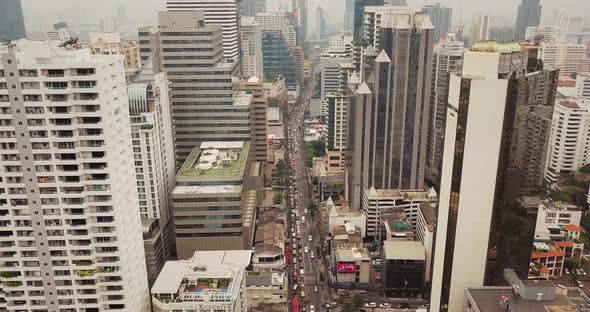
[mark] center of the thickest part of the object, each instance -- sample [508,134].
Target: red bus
[295,302]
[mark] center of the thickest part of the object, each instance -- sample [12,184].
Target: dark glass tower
[529,14]
[12,23]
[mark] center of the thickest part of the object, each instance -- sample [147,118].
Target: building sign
[346,267]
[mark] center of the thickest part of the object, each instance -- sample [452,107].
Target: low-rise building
[339,215]
[526,296]
[350,261]
[209,281]
[264,289]
[404,268]
[551,216]
[547,261]
[111,44]
[269,242]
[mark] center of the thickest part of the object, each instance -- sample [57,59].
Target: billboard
[344,267]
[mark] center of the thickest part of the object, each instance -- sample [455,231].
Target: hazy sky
[144,11]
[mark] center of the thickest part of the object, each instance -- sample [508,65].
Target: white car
[385,305]
[310,238]
[302,218]
[306,249]
[370,305]
[311,308]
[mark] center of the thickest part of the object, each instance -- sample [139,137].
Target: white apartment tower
[251,47]
[69,214]
[480,30]
[217,12]
[570,138]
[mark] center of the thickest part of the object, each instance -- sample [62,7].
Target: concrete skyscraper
[191,53]
[321,31]
[12,22]
[481,28]
[495,111]
[448,58]
[251,48]
[217,12]
[529,14]
[387,141]
[69,210]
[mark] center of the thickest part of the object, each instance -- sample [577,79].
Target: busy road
[304,237]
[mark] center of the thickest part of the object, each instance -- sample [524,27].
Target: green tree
[278,198]
[348,307]
[312,207]
[314,149]
[358,300]
[321,276]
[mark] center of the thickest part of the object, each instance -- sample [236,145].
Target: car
[295,287]
[310,238]
[300,194]
[305,211]
[370,305]
[580,284]
[302,218]
[315,288]
[312,256]
[567,271]
[403,305]
[578,271]
[306,249]
[302,294]
[294,260]
[311,308]
[385,305]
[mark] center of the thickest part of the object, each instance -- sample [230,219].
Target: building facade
[481,28]
[217,12]
[70,212]
[111,44]
[258,118]
[448,58]
[203,106]
[251,7]
[441,18]
[570,136]
[278,59]
[567,57]
[251,48]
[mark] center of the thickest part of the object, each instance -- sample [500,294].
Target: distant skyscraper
[441,19]
[278,60]
[481,28]
[493,146]
[502,34]
[387,141]
[12,23]
[349,17]
[251,7]
[217,12]
[68,196]
[202,106]
[251,48]
[448,58]
[321,30]
[529,14]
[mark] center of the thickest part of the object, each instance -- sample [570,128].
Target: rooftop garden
[233,168]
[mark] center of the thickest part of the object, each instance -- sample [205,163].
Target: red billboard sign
[347,267]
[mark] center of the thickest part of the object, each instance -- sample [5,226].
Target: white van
[301,272]
[294,287]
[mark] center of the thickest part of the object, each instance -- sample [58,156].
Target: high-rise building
[217,12]
[12,22]
[330,73]
[68,198]
[251,34]
[191,53]
[359,15]
[59,31]
[387,137]
[278,59]
[529,14]
[545,34]
[448,58]
[570,136]
[259,120]
[567,57]
[321,25]
[337,131]
[502,33]
[153,155]
[376,16]
[481,28]
[278,22]
[251,7]
[495,109]
[214,198]
[583,85]
[441,18]
[349,17]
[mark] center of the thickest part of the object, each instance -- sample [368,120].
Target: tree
[348,307]
[321,276]
[278,198]
[358,300]
[312,207]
